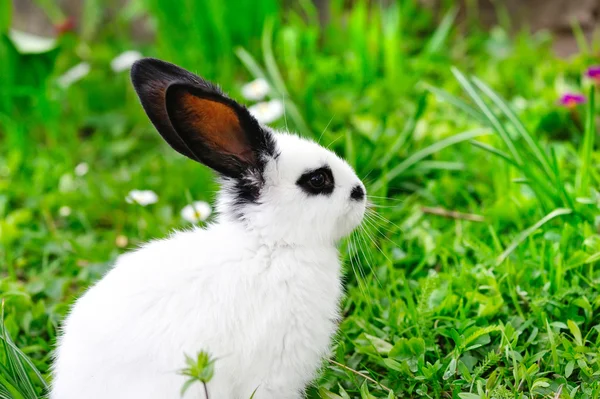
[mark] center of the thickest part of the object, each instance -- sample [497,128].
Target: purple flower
[593,73]
[571,100]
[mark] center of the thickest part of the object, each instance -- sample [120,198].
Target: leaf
[364,392]
[406,349]
[325,394]
[417,346]
[450,370]
[343,392]
[575,332]
[254,393]
[186,385]
[381,346]
[401,350]
[464,371]
[569,368]
[394,365]
[480,332]
[467,395]
[541,383]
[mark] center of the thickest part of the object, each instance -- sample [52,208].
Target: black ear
[198,120]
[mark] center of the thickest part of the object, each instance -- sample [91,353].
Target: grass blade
[278,82]
[16,362]
[255,70]
[457,102]
[425,152]
[494,151]
[407,132]
[250,63]
[13,391]
[441,33]
[511,116]
[527,232]
[587,148]
[489,114]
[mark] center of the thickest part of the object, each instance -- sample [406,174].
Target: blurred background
[557,16]
[472,122]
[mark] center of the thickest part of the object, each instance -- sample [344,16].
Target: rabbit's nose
[357,193]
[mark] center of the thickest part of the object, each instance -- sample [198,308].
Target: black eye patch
[317,181]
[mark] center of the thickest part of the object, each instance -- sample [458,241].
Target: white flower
[121,241]
[26,43]
[74,74]
[141,197]
[125,60]
[64,211]
[255,90]
[519,103]
[198,211]
[267,111]
[82,169]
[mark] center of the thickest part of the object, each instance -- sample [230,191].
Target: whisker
[386,198]
[367,176]
[384,219]
[383,235]
[361,286]
[373,205]
[369,262]
[284,113]
[330,144]
[377,245]
[379,225]
[360,268]
[324,130]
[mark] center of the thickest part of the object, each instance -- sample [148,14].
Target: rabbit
[258,289]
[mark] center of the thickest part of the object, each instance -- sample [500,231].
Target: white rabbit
[258,289]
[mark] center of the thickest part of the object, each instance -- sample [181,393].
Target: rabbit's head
[287,189]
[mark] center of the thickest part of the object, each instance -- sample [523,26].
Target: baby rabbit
[258,289]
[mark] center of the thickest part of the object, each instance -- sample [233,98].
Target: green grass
[476,277]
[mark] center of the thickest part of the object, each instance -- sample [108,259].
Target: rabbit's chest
[291,309]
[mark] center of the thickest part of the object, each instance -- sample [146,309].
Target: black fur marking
[154,79]
[316,182]
[151,78]
[357,193]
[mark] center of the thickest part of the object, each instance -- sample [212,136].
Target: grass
[476,277]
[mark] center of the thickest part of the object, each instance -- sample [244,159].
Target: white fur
[259,292]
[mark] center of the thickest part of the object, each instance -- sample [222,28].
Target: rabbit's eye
[318,181]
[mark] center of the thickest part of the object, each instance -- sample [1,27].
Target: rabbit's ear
[198,120]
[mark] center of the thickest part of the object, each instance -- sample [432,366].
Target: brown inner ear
[218,125]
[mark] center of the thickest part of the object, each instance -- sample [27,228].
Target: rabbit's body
[258,289]
[265,312]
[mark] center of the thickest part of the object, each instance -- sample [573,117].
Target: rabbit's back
[259,310]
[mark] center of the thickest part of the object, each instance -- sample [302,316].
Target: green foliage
[497,299]
[208,31]
[199,370]
[19,379]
